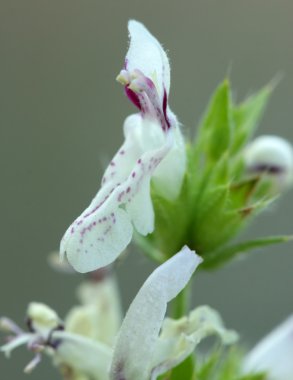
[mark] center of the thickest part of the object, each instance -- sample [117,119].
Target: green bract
[219,196]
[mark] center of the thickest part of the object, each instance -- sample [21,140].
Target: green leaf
[258,376]
[184,371]
[219,257]
[247,115]
[208,368]
[215,132]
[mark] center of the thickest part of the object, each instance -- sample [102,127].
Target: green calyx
[218,197]
[220,364]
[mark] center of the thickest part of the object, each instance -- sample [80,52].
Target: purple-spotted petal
[139,333]
[104,229]
[122,163]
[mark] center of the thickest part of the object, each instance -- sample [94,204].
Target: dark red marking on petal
[165,102]
[133,97]
[120,196]
[133,174]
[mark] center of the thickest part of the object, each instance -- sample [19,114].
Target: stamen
[142,92]
[18,341]
[8,325]
[33,363]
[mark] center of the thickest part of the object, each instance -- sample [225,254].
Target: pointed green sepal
[218,258]
[247,115]
[215,133]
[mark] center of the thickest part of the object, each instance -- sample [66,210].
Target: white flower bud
[42,319]
[273,156]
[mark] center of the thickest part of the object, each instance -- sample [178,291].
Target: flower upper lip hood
[153,148]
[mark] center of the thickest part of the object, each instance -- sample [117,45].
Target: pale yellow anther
[42,316]
[134,87]
[123,77]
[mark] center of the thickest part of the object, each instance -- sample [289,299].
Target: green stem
[180,305]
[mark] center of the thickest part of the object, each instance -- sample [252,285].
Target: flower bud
[273,157]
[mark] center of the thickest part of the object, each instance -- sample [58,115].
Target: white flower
[86,347]
[142,352]
[272,156]
[274,353]
[153,148]
[88,352]
[99,314]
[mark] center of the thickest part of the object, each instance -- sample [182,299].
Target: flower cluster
[168,193]
[85,344]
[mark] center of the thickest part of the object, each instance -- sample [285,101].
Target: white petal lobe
[274,353]
[132,359]
[146,54]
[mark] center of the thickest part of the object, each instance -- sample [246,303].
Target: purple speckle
[128,189]
[122,152]
[139,161]
[72,230]
[104,219]
[112,163]
[120,196]
[133,174]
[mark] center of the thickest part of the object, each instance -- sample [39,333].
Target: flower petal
[122,163]
[99,317]
[180,337]
[104,229]
[274,353]
[132,359]
[169,174]
[147,55]
[83,355]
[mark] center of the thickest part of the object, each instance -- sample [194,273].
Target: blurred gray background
[61,114]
